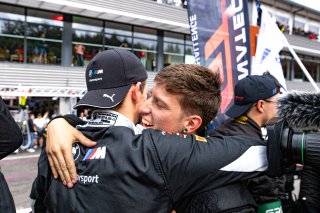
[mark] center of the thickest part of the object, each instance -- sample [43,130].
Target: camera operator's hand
[60,137]
[266,189]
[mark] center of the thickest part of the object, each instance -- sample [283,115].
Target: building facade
[45,45]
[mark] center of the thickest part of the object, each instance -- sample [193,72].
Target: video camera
[293,136]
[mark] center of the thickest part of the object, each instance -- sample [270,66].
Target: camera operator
[255,102]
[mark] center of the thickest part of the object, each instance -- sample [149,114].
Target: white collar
[107,118]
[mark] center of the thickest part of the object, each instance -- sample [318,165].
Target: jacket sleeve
[41,184]
[71,119]
[10,133]
[192,164]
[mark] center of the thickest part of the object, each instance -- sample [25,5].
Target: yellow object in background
[22,100]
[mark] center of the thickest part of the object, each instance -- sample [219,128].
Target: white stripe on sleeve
[254,159]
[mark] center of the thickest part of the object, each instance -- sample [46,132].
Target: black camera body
[288,146]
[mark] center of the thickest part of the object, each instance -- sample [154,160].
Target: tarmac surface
[20,170]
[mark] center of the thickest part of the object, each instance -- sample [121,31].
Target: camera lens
[304,148]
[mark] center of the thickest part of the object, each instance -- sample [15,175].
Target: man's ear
[135,92]
[260,106]
[192,123]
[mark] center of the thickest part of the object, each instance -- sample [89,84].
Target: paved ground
[20,171]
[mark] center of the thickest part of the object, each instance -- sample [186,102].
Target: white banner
[270,42]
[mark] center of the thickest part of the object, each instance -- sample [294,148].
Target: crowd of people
[297,31]
[154,154]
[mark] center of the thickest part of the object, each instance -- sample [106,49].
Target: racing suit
[129,171]
[10,140]
[235,197]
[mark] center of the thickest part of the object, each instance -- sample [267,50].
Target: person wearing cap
[255,103]
[133,171]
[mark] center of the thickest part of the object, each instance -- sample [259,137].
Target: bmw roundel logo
[90,73]
[75,151]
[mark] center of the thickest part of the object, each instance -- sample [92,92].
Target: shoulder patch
[201,139]
[95,153]
[242,119]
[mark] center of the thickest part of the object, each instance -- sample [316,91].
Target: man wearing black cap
[130,171]
[255,102]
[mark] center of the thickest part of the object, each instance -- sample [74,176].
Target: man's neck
[256,118]
[127,113]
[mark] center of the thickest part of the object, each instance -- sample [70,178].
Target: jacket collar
[107,118]
[260,131]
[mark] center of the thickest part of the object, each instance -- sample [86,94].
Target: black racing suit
[146,172]
[240,196]
[10,140]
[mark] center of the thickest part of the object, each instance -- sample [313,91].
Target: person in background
[82,116]
[79,50]
[255,103]
[41,125]
[87,113]
[10,140]
[32,133]
[43,49]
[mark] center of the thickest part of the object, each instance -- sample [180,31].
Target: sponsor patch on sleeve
[201,139]
[242,119]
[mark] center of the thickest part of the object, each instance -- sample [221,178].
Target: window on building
[298,28]
[311,64]
[118,36]
[145,46]
[179,3]
[44,37]
[12,31]
[87,39]
[173,48]
[314,29]
[189,57]
[283,23]
[285,60]
[313,32]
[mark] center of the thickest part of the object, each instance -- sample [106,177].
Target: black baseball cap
[251,89]
[109,76]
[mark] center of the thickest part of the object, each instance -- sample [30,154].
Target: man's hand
[60,137]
